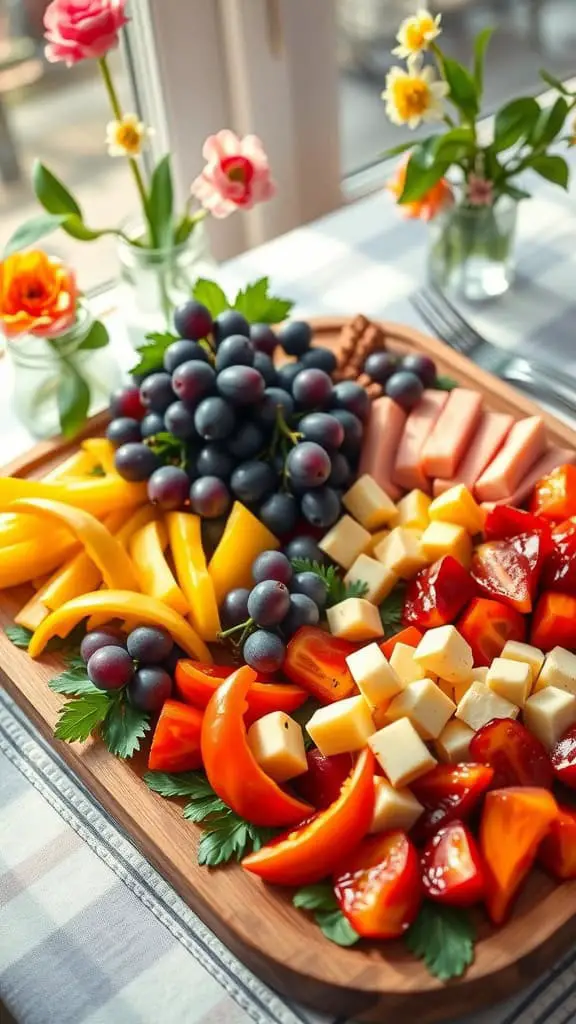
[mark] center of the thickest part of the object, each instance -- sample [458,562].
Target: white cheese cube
[549,713]
[369,504]
[345,541]
[425,705]
[413,510]
[453,743]
[341,727]
[441,539]
[393,808]
[400,752]
[461,688]
[510,679]
[517,651]
[355,619]
[480,705]
[457,506]
[402,661]
[445,653]
[376,539]
[373,675]
[380,580]
[277,743]
[479,674]
[401,552]
[559,669]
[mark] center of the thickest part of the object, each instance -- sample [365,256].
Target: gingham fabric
[89,932]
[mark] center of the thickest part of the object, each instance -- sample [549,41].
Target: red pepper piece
[487,625]
[437,594]
[554,621]
[316,661]
[517,757]
[554,496]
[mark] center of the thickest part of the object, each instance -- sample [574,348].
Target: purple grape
[126,401]
[98,638]
[149,645]
[234,608]
[422,366]
[274,399]
[209,497]
[184,351]
[212,531]
[272,565]
[227,323]
[156,392]
[135,462]
[149,689]
[179,421]
[312,389]
[295,337]
[214,460]
[302,612]
[123,430]
[405,388]
[251,481]
[110,668]
[265,366]
[353,432]
[214,419]
[305,547]
[380,366]
[234,351]
[153,423]
[321,507]
[263,338]
[322,428]
[279,513]
[193,320]
[312,585]
[320,359]
[341,475]
[308,465]
[176,655]
[350,396]
[287,374]
[264,651]
[268,603]
[241,385]
[192,380]
[168,488]
[246,442]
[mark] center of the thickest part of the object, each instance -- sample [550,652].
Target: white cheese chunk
[402,661]
[461,688]
[345,541]
[393,808]
[517,651]
[369,504]
[549,713]
[341,727]
[445,653]
[479,674]
[355,619]
[453,743]
[373,675]
[400,752]
[277,743]
[368,570]
[413,510]
[424,704]
[510,679]
[480,705]
[401,552]
[441,539]
[559,669]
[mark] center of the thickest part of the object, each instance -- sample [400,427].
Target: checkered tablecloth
[89,932]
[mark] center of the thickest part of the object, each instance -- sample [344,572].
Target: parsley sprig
[120,726]
[68,646]
[443,937]
[336,589]
[320,899]
[391,610]
[170,448]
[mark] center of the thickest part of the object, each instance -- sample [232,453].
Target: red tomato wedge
[554,496]
[378,886]
[316,661]
[449,792]
[508,570]
[196,683]
[487,625]
[452,868]
[514,823]
[557,851]
[505,521]
[308,853]
[409,636]
[437,594]
[230,765]
[321,784]
[176,741]
[563,758]
[554,621]
[559,571]
[517,757]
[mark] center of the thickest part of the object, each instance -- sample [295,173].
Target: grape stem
[283,427]
[234,629]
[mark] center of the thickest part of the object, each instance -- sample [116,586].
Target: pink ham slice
[525,443]
[381,440]
[452,433]
[407,470]
[550,460]
[488,439]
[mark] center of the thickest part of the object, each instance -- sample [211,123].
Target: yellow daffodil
[414,95]
[416,33]
[127,137]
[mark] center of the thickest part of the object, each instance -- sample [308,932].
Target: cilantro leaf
[337,590]
[123,728]
[443,937]
[180,784]
[258,306]
[443,383]
[320,899]
[74,681]
[229,837]
[210,295]
[81,717]
[152,351]
[19,636]
[168,447]
[391,611]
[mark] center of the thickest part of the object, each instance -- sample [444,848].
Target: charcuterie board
[371,982]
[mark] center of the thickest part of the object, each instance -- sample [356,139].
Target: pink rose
[82,29]
[236,175]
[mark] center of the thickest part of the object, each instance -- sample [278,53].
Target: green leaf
[550,122]
[52,192]
[73,682]
[444,383]
[443,937]
[152,351]
[97,471]
[555,83]
[230,838]
[514,192]
[396,150]
[210,295]
[97,337]
[424,169]
[19,636]
[168,447]
[302,715]
[463,88]
[184,229]
[515,120]
[258,306]
[124,727]
[335,586]
[552,168]
[76,228]
[80,717]
[181,784]
[315,897]
[391,610]
[336,927]
[33,230]
[160,204]
[480,46]
[451,146]
[73,399]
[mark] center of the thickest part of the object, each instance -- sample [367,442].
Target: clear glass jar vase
[44,370]
[153,282]
[471,249]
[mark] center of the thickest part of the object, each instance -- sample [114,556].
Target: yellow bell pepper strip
[138,519]
[184,531]
[154,574]
[97,495]
[99,544]
[120,604]
[77,465]
[102,451]
[20,563]
[244,538]
[80,575]
[39,581]
[32,614]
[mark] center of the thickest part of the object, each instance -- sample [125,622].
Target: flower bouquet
[467,177]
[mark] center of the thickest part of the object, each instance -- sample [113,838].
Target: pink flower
[236,175]
[82,29]
[479,191]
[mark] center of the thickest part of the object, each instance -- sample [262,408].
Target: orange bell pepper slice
[554,621]
[244,538]
[176,741]
[80,463]
[154,575]
[487,625]
[230,765]
[21,562]
[316,661]
[308,853]
[32,614]
[184,531]
[554,496]
[196,684]
[514,822]
[557,852]
[409,636]
[97,495]
[103,452]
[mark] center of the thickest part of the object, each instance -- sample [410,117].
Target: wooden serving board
[371,982]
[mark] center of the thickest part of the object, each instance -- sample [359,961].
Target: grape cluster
[403,378]
[142,663]
[284,441]
[279,603]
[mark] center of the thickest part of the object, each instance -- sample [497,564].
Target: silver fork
[539,379]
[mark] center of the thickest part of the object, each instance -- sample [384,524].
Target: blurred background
[59,114]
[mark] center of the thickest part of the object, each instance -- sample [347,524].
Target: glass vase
[153,282]
[470,251]
[40,366]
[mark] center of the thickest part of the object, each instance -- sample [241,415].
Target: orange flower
[439,196]
[37,295]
